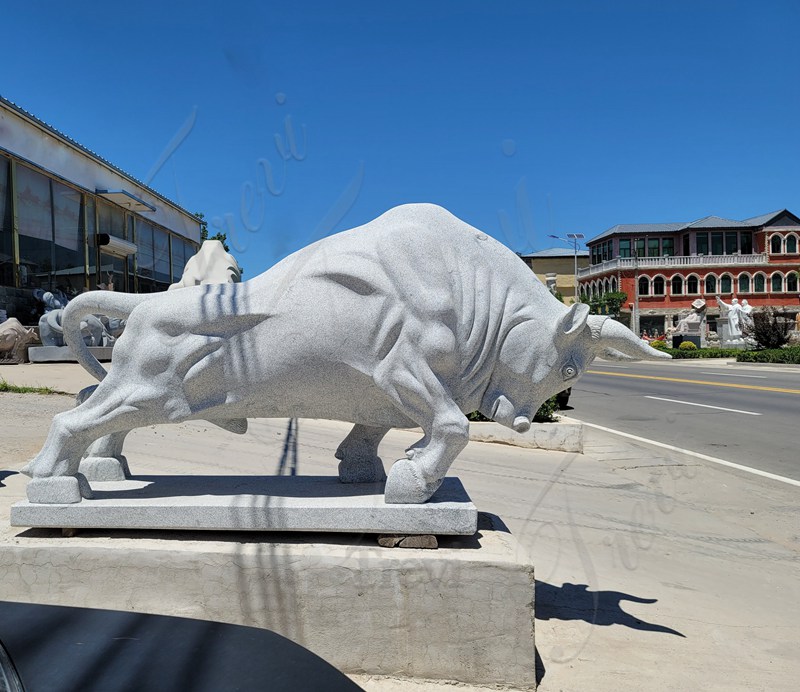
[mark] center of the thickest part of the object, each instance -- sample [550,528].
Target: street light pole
[572,240]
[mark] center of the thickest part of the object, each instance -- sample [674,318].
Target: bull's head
[535,363]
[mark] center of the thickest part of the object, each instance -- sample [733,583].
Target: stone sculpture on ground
[211,265]
[410,320]
[13,339]
[691,322]
[96,330]
[733,312]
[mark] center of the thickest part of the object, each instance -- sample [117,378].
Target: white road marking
[697,455]
[730,374]
[691,403]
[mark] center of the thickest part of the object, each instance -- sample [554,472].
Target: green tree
[608,303]
[770,328]
[221,237]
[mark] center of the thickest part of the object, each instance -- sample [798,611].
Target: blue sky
[522,118]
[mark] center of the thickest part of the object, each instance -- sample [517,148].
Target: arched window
[711,284]
[791,283]
[776,283]
[658,286]
[644,286]
[759,283]
[744,283]
[725,284]
[614,284]
[775,245]
[692,284]
[791,244]
[677,285]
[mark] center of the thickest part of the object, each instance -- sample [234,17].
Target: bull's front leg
[415,479]
[421,396]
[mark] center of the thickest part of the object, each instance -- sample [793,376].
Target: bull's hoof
[58,490]
[405,485]
[105,468]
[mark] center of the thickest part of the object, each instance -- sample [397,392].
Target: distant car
[55,648]
[562,398]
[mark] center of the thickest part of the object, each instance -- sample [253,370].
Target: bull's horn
[613,354]
[618,337]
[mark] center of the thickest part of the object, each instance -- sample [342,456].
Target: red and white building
[664,267]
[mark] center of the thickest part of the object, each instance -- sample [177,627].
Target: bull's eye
[569,371]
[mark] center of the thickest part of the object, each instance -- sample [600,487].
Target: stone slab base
[564,436]
[253,503]
[461,613]
[64,354]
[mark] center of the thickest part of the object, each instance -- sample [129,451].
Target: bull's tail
[95,303]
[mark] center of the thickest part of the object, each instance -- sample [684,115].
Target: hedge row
[771,355]
[703,352]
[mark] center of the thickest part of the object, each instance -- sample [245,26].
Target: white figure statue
[413,319]
[733,313]
[746,317]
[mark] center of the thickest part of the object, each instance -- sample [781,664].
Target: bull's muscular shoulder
[420,254]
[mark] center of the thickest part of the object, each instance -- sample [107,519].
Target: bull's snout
[504,413]
[521,424]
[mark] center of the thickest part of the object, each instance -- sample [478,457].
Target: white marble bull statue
[413,319]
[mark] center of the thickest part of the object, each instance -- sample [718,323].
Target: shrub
[775,355]
[770,328]
[679,353]
[686,346]
[658,343]
[547,411]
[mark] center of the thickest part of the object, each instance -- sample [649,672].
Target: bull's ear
[573,321]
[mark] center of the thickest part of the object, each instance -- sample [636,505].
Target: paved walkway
[654,571]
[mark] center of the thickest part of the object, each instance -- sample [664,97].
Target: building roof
[555,252]
[67,139]
[639,228]
[705,222]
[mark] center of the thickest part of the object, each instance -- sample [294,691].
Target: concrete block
[64,354]
[247,503]
[566,435]
[462,613]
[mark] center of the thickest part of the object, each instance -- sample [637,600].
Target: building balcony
[671,262]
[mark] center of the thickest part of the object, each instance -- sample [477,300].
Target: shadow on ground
[4,475]
[576,602]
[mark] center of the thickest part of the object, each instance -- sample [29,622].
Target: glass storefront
[56,249]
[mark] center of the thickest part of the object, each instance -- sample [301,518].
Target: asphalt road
[748,415]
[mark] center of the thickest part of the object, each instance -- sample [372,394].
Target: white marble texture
[410,320]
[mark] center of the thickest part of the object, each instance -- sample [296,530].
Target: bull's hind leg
[104,460]
[420,396]
[54,471]
[358,453]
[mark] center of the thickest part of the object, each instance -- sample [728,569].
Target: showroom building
[71,221]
